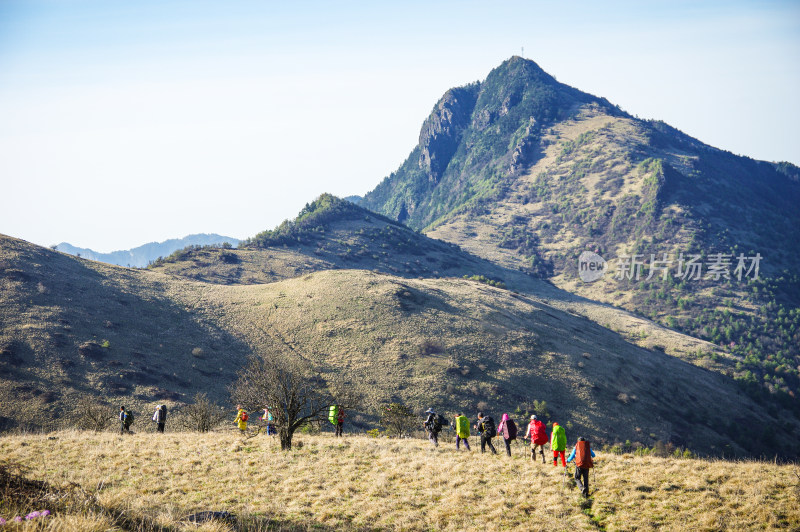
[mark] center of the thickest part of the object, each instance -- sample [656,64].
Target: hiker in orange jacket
[582,453]
[537,432]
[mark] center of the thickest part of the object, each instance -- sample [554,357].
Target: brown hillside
[449,343]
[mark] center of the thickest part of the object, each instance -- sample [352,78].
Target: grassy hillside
[329,233]
[334,234]
[151,482]
[445,342]
[72,328]
[586,176]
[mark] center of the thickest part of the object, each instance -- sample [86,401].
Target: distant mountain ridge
[141,256]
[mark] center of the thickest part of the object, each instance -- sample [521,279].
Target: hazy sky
[123,123]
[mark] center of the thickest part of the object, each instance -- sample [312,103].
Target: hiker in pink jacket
[508,430]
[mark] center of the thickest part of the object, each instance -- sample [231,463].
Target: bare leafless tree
[294,388]
[398,419]
[94,414]
[202,415]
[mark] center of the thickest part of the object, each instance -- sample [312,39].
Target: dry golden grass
[379,484]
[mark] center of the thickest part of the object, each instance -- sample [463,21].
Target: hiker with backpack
[125,420]
[462,431]
[241,418]
[340,422]
[558,443]
[160,417]
[508,430]
[537,432]
[336,416]
[268,421]
[582,453]
[433,424]
[486,428]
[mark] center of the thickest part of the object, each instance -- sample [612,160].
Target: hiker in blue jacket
[582,453]
[124,424]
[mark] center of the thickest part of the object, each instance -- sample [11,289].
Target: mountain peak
[516,66]
[321,212]
[475,135]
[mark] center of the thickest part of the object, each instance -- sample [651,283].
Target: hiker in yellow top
[241,418]
[462,431]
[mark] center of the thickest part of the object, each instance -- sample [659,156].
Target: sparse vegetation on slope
[422,342]
[582,175]
[329,233]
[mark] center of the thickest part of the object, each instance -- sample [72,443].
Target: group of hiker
[536,432]
[336,416]
[434,423]
[126,419]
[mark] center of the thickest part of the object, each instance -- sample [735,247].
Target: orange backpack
[583,455]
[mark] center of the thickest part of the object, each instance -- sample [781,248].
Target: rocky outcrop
[443,129]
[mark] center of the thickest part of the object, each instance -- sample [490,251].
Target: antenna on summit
[523,53]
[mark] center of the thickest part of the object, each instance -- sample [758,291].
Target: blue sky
[128,122]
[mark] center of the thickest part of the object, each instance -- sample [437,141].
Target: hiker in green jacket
[462,431]
[558,443]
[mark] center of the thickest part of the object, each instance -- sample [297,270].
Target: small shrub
[497,283]
[430,347]
[93,415]
[397,419]
[201,416]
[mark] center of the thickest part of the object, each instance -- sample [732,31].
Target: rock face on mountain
[441,133]
[474,135]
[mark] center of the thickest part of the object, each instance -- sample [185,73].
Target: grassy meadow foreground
[102,481]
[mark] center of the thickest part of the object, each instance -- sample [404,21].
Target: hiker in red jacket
[537,432]
[340,422]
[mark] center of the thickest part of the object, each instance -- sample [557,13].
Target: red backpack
[539,433]
[245,417]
